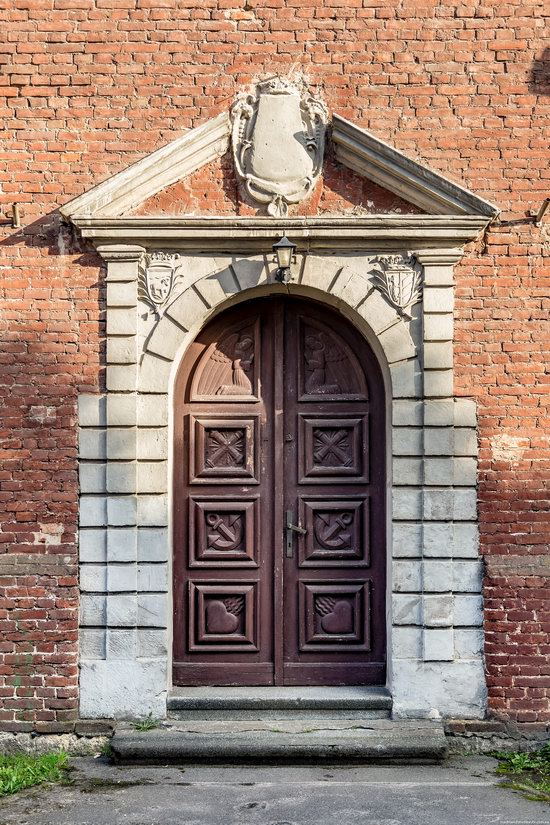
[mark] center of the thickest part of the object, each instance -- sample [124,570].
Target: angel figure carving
[228,370]
[322,365]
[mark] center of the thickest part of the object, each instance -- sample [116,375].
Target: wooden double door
[279,490]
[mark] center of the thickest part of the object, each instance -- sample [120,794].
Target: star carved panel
[223,449]
[333,449]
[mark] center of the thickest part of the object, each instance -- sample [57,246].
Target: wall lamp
[284,252]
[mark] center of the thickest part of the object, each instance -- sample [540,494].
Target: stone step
[378,740]
[274,714]
[273,703]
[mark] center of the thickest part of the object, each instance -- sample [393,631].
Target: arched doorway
[279,501]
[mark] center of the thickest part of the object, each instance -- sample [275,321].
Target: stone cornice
[311,233]
[121,252]
[438,257]
[376,160]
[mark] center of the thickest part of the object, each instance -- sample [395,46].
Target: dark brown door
[279,483]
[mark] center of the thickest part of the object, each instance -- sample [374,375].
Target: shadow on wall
[539,80]
[71,274]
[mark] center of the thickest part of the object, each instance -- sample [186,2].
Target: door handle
[291,528]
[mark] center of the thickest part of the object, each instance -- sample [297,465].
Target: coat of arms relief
[399,281]
[278,141]
[162,275]
[159,280]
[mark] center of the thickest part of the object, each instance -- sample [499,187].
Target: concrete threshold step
[271,703]
[379,740]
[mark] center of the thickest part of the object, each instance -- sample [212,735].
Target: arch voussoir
[166,339]
[214,289]
[352,290]
[186,309]
[351,287]
[250,272]
[397,343]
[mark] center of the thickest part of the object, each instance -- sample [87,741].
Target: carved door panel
[281,414]
[224,559]
[334,576]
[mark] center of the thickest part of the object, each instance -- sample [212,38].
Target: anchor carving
[224,536]
[331,531]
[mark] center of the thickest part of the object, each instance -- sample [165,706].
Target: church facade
[276,341]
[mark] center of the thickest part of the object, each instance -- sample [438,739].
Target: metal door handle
[291,528]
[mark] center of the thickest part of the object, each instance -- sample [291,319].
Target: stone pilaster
[439,505]
[123,622]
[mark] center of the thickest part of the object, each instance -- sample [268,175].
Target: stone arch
[323,279]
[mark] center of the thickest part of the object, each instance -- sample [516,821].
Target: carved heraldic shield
[278,143]
[398,280]
[158,279]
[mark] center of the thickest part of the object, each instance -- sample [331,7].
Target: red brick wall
[88,86]
[518,638]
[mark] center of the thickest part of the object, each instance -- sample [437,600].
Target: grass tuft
[527,772]
[149,723]
[106,749]
[25,770]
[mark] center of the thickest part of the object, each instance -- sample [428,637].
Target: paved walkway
[460,792]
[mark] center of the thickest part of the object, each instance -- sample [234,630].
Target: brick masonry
[89,87]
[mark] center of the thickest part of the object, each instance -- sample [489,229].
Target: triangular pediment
[214,189]
[378,179]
